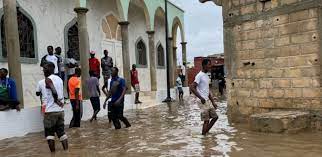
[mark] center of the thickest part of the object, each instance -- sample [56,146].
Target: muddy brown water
[168,130]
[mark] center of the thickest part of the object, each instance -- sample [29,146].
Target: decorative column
[152,57]
[184,61]
[126,54]
[170,58]
[83,47]
[175,67]
[12,43]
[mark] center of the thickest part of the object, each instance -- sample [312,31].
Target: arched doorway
[112,39]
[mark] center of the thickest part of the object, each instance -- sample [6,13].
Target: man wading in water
[51,91]
[200,88]
[117,92]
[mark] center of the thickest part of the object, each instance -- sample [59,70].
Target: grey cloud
[203,28]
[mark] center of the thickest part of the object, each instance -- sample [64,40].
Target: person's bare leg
[205,127]
[51,145]
[65,144]
[211,124]
[139,97]
[95,114]
[136,98]
[93,117]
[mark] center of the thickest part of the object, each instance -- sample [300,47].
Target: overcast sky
[203,28]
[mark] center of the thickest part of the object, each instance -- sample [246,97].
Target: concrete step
[280,121]
[148,94]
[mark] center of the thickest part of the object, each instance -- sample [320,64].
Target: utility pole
[168,99]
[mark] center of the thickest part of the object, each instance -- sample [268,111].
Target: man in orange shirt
[94,65]
[74,85]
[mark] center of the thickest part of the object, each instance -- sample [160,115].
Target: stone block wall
[272,53]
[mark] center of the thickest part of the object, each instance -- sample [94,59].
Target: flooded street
[168,130]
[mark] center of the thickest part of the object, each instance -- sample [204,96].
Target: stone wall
[272,53]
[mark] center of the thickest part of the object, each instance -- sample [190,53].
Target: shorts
[207,114]
[137,88]
[180,90]
[54,123]
[207,110]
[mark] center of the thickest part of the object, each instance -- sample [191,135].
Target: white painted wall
[51,17]
[160,37]
[137,29]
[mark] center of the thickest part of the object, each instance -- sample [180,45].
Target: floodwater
[168,130]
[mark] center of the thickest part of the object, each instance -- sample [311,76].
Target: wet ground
[168,130]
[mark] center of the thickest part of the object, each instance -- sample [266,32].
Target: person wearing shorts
[205,101]
[51,90]
[135,83]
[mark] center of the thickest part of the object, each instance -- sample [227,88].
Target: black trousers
[75,122]
[8,104]
[96,104]
[117,115]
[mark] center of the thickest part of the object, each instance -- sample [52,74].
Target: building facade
[217,63]
[272,55]
[131,30]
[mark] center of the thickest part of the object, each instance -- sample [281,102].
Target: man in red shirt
[135,83]
[94,65]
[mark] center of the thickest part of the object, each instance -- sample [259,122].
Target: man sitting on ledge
[8,92]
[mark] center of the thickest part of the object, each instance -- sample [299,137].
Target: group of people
[51,91]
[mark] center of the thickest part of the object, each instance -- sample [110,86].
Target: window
[26,36]
[141,53]
[160,55]
[73,41]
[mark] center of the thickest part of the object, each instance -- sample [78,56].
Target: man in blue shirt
[117,93]
[8,92]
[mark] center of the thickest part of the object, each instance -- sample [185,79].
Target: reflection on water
[168,130]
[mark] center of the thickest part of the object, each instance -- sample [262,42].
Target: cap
[92,52]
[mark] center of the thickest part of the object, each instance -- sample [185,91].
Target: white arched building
[133,31]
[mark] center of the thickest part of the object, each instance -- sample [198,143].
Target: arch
[122,8]
[160,55]
[141,53]
[27,37]
[106,29]
[118,33]
[71,38]
[175,25]
[158,12]
[141,4]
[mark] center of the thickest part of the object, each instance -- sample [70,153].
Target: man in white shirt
[61,67]
[106,88]
[51,91]
[71,65]
[51,57]
[206,102]
[179,87]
